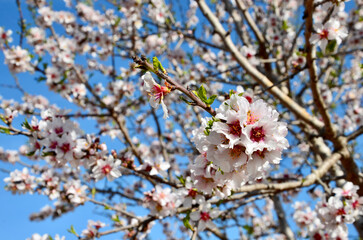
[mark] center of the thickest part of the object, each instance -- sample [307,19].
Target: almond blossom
[204,217]
[107,168]
[156,92]
[329,31]
[5,36]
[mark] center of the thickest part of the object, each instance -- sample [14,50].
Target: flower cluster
[326,31]
[59,141]
[18,60]
[10,156]
[20,182]
[37,236]
[237,145]
[161,202]
[92,229]
[328,220]
[329,31]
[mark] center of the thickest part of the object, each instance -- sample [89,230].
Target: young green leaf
[4,130]
[202,93]
[187,223]
[211,99]
[72,230]
[26,125]
[157,65]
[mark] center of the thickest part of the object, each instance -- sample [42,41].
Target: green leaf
[331,46]
[4,130]
[157,65]
[220,202]
[249,229]
[93,192]
[202,94]
[231,92]
[319,54]
[72,230]
[107,207]
[187,223]
[181,179]
[117,21]
[46,154]
[211,99]
[2,118]
[41,79]
[210,125]
[26,125]
[29,154]
[115,218]
[285,26]
[50,237]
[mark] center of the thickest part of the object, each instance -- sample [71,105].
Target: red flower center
[58,130]
[235,128]
[249,99]
[159,91]
[257,134]
[106,169]
[341,211]
[204,216]
[324,34]
[355,204]
[192,193]
[236,151]
[317,236]
[53,145]
[65,147]
[261,154]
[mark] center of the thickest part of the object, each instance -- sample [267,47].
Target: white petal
[149,81]
[165,110]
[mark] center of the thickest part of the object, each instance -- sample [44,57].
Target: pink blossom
[156,92]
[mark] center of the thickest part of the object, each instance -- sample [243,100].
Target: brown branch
[131,215]
[305,182]
[260,38]
[355,134]
[299,111]
[283,225]
[22,23]
[310,60]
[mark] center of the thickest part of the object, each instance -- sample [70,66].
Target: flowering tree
[260,101]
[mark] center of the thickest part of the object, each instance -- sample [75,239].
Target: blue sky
[15,209]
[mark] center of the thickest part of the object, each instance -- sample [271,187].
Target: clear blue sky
[15,209]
